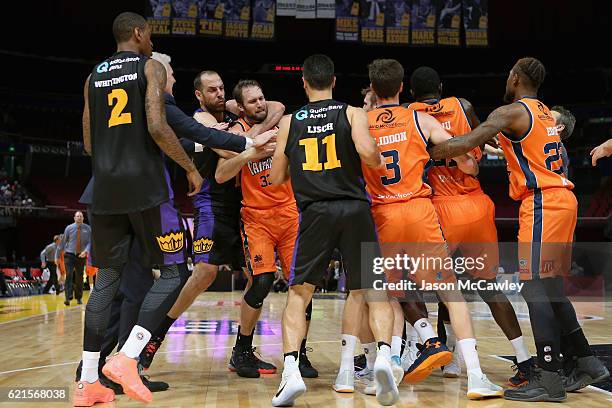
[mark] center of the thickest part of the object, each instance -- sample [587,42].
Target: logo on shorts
[523,266]
[258,259]
[202,245]
[171,242]
[548,266]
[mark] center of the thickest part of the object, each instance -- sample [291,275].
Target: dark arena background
[49,48]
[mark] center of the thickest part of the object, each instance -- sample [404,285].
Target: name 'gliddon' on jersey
[323,161]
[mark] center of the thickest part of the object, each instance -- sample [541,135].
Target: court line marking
[161,352]
[67,309]
[590,387]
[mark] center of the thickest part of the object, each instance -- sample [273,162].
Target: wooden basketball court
[41,347]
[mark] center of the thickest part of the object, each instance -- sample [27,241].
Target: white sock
[139,337]
[384,351]
[291,365]
[370,353]
[425,329]
[520,350]
[396,346]
[89,371]
[411,334]
[467,347]
[450,336]
[348,352]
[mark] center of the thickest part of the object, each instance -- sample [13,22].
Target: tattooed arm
[86,122]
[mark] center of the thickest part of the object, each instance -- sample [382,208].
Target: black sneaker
[433,354]
[244,363]
[542,386]
[359,362]
[306,368]
[146,356]
[523,371]
[588,370]
[262,366]
[154,386]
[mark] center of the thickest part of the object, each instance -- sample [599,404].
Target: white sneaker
[345,381]
[386,390]
[481,387]
[410,355]
[453,369]
[398,371]
[291,387]
[366,378]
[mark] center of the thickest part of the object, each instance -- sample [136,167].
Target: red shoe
[124,371]
[86,394]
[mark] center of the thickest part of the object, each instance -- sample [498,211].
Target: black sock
[295,355]
[164,327]
[548,356]
[303,346]
[382,343]
[579,343]
[244,341]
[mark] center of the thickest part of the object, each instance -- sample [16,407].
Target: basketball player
[320,147]
[217,208]
[399,195]
[548,212]
[269,225]
[565,121]
[125,131]
[603,150]
[466,215]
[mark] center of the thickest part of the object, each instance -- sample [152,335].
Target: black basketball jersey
[226,196]
[323,160]
[128,167]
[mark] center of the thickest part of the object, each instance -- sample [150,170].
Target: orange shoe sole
[425,369]
[90,401]
[127,388]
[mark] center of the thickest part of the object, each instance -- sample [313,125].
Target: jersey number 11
[311,150]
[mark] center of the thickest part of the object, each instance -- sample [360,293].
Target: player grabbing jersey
[547,219]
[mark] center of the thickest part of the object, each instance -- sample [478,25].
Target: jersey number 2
[311,149]
[554,158]
[118,117]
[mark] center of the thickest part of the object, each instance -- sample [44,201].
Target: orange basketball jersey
[404,148]
[535,162]
[257,191]
[445,177]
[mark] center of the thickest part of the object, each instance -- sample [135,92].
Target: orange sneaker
[123,370]
[86,394]
[432,355]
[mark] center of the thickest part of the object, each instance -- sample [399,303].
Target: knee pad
[259,289]
[309,311]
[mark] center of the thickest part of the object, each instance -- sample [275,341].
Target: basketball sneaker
[87,394]
[291,387]
[453,369]
[409,355]
[523,371]
[246,364]
[345,381]
[386,389]
[588,370]
[306,368]
[432,355]
[542,386]
[147,354]
[366,378]
[479,387]
[360,362]
[396,367]
[124,371]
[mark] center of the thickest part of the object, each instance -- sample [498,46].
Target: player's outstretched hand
[220,126]
[603,150]
[195,182]
[265,137]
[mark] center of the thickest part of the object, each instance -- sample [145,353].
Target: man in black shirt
[125,131]
[321,147]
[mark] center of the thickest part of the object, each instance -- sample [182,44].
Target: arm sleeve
[187,127]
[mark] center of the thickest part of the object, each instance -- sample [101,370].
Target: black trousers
[52,278]
[74,275]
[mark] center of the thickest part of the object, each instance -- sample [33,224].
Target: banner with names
[264,14]
[237,18]
[372,21]
[476,22]
[306,9]
[423,23]
[347,20]
[397,22]
[210,16]
[285,8]
[449,23]
[326,9]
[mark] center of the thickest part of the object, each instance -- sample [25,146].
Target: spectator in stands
[47,260]
[75,245]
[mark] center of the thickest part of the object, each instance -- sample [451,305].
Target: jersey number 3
[118,117]
[311,149]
